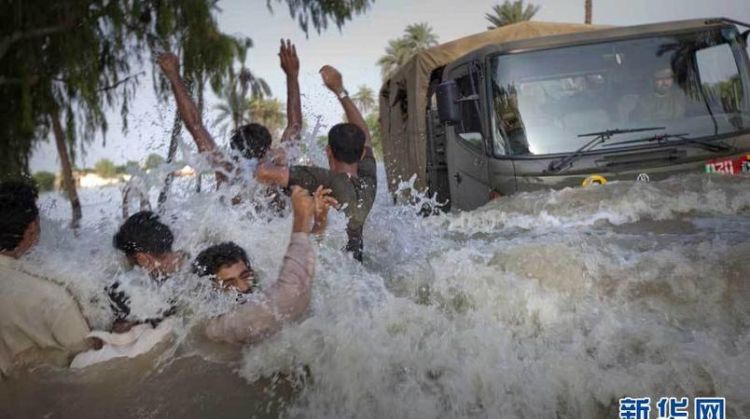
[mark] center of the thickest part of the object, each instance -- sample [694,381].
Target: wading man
[39,320]
[351,176]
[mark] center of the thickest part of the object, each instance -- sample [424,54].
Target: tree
[64,64]
[153,161]
[234,107]
[509,13]
[132,166]
[105,168]
[318,12]
[205,53]
[587,6]
[364,98]
[417,37]
[267,112]
[396,54]
[373,124]
[45,181]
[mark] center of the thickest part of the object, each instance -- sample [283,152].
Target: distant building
[186,171]
[90,180]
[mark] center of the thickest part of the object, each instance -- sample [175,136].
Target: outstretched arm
[189,113]
[290,65]
[270,173]
[334,83]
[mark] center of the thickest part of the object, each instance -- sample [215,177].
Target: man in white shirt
[40,322]
[148,243]
[285,300]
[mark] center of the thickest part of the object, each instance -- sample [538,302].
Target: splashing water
[546,304]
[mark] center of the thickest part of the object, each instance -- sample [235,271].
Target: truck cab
[569,110]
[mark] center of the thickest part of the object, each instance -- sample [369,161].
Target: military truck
[539,105]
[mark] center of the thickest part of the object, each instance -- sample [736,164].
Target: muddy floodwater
[539,305]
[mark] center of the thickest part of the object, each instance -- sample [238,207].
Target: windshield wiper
[599,137]
[664,139]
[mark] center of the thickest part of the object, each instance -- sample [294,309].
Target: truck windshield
[694,84]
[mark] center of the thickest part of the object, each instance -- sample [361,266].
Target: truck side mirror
[744,36]
[447,102]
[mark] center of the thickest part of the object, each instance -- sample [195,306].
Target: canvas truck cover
[403,96]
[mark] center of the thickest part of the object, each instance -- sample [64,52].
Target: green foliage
[267,112]
[131,166]
[45,181]
[190,29]
[510,12]
[61,58]
[730,93]
[74,59]
[105,168]
[373,124]
[234,107]
[319,12]
[417,37]
[364,99]
[153,161]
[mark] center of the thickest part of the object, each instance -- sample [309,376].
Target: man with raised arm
[250,140]
[148,244]
[351,176]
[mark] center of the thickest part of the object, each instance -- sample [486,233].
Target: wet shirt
[137,298]
[120,301]
[285,300]
[38,318]
[356,194]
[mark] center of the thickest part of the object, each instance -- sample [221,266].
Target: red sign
[729,166]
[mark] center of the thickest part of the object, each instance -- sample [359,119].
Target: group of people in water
[40,319]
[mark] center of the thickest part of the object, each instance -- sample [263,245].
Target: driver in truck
[665,102]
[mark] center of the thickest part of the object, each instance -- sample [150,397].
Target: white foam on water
[545,304]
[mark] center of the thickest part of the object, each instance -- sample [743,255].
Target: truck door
[467,160]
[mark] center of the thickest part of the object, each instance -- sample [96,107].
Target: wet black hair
[143,232]
[215,257]
[252,141]
[17,211]
[347,142]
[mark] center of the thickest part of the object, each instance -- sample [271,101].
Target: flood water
[539,305]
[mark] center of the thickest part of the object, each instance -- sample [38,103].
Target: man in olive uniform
[351,176]
[667,102]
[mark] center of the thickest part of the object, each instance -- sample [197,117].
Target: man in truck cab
[666,101]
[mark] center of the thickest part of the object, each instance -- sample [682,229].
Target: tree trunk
[244,81]
[198,183]
[176,129]
[588,11]
[67,170]
[199,176]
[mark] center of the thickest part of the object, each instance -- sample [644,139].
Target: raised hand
[169,63]
[303,206]
[332,79]
[289,59]
[323,202]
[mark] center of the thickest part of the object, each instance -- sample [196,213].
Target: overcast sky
[354,50]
